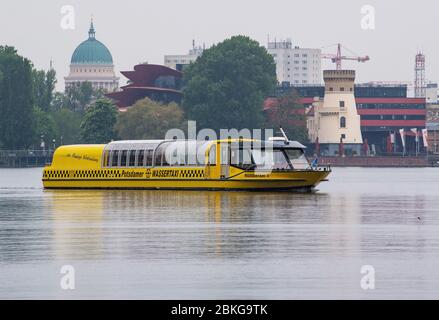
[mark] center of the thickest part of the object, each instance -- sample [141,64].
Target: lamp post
[43,145]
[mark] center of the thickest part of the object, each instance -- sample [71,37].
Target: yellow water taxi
[232,164]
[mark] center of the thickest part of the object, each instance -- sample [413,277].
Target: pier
[25,158]
[381,161]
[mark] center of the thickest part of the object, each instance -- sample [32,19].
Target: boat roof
[154,144]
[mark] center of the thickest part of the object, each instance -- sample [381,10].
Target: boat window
[181,153]
[140,158]
[132,158]
[106,158]
[123,158]
[164,162]
[212,155]
[268,159]
[241,158]
[158,158]
[297,158]
[114,158]
[149,155]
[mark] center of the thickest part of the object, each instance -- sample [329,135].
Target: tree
[60,101]
[289,114]
[44,127]
[43,88]
[148,119]
[16,100]
[97,125]
[226,86]
[77,97]
[68,124]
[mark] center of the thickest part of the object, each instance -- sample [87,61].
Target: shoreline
[380,162]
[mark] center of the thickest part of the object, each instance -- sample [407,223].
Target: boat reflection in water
[77,219]
[224,245]
[103,224]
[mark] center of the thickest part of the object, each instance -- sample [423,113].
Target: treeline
[34,116]
[225,88]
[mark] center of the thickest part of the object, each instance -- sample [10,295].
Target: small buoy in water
[419,219]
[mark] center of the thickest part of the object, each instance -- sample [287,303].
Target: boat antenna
[283,133]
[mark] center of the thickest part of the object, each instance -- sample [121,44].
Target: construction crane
[337,58]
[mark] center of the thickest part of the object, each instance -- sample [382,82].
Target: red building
[384,111]
[157,82]
[271,106]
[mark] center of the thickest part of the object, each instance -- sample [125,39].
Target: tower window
[342,122]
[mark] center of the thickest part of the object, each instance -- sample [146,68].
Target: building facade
[385,112]
[335,124]
[295,65]
[157,82]
[92,62]
[179,61]
[431,93]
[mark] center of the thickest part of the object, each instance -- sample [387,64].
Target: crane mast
[337,58]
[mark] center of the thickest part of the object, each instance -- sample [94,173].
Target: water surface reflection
[188,244]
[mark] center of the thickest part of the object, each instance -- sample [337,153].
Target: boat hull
[300,181]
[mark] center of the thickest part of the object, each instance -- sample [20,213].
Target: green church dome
[91,51]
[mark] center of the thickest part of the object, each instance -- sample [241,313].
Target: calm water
[223,245]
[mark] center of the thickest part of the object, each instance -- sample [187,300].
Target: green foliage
[16,100]
[43,88]
[60,101]
[289,114]
[98,122]
[78,97]
[44,127]
[68,124]
[31,110]
[148,119]
[226,86]
[61,125]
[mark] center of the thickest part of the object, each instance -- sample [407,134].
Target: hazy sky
[137,31]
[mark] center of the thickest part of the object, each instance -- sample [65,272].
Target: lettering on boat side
[165,174]
[132,174]
[169,173]
[256,175]
[81,157]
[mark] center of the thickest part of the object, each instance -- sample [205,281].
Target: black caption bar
[222,309]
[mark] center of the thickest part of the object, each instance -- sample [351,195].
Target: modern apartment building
[178,61]
[298,66]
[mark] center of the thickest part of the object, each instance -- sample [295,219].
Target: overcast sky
[144,30]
